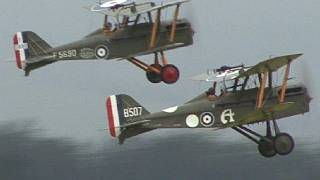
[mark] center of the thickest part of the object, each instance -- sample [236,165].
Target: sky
[64,103]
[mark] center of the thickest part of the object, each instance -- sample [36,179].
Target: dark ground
[26,155]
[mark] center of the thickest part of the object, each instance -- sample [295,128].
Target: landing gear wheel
[170,74]
[283,144]
[266,148]
[154,77]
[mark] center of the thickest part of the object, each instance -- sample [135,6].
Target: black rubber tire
[170,74]
[154,77]
[283,144]
[266,149]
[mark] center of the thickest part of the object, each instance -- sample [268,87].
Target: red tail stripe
[112,129]
[15,39]
[17,52]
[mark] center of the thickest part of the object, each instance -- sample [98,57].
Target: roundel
[102,52]
[207,119]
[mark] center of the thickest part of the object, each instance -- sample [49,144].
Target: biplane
[248,95]
[129,30]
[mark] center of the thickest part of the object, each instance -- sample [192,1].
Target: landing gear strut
[156,72]
[269,145]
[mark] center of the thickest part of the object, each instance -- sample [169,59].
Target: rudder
[122,110]
[28,45]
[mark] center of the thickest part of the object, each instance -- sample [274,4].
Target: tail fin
[122,110]
[28,45]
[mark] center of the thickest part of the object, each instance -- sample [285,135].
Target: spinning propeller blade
[307,78]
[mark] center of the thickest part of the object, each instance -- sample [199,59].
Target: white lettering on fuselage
[66,54]
[227,116]
[132,112]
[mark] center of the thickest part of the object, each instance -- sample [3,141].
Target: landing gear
[283,144]
[266,148]
[269,146]
[266,144]
[152,76]
[156,72]
[170,74]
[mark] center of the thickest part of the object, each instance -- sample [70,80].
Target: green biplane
[248,96]
[129,30]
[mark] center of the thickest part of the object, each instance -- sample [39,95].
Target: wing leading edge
[136,9]
[270,65]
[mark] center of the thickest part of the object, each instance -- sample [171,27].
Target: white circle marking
[192,121]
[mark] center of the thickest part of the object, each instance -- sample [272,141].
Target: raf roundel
[102,52]
[207,119]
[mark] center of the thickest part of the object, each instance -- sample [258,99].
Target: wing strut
[174,23]
[155,29]
[285,83]
[261,89]
[270,80]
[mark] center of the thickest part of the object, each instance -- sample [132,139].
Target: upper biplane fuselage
[129,41]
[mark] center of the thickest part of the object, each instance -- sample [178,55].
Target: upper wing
[135,9]
[131,9]
[269,65]
[164,5]
[214,76]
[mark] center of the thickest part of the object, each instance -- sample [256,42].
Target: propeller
[306,77]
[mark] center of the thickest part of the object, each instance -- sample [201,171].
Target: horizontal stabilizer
[134,124]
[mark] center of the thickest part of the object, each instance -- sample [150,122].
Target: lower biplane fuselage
[129,41]
[230,110]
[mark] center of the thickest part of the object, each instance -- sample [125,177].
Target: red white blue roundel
[207,119]
[102,52]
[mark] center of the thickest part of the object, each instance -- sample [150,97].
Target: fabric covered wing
[269,65]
